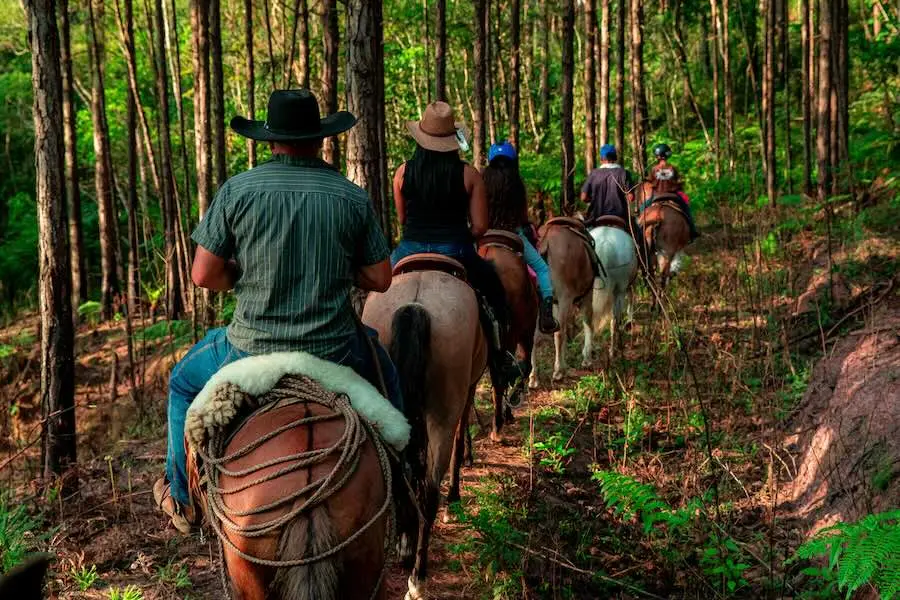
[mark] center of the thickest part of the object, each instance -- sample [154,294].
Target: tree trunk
[251,77]
[620,77]
[133,289]
[805,99]
[57,330]
[301,21]
[568,137]
[489,75]
[174,298]
[725,50]
[217,95]
[515,98]
[842,83]
[268,22]
[823,130]
[440,53]
[717,27]
[590,86]
[786,90]
[639,99]
[365,93]
[331,29]
[769,99]
[705,54]
[545,67]
[103,170]
[73,192]
[479,126]
[202,130]
[604,73]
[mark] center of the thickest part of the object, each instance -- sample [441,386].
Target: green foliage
[722,560]
[174,575]
[17,532]
[553,452]
[630,499]
[863,553]
[180,332]
[90,311]
[131,592]
[85,578]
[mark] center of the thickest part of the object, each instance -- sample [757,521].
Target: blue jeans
[214,352]
[408,248]
[534,260]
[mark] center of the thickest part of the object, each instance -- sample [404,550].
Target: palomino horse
[299,492]
[504,250]
[430,321]
[665,231]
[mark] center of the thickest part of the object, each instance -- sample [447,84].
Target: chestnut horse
[522,300]
[430,321]
[300,498]
[665,234]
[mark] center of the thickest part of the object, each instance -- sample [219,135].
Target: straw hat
[438,131]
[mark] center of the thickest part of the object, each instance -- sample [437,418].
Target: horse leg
[497,394]
[456,459]
[587,321]
[469,458]
[559,338]
[665,263]
[416,583]
[533,382]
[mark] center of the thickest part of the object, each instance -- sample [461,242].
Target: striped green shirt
[299,231]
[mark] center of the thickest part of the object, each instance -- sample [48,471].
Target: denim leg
[534,260]
[407,248]
[187,379]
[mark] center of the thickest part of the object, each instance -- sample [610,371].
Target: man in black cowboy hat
[291,237]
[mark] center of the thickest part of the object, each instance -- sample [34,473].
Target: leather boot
[546,322]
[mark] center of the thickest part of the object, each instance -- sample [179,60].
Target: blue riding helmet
[607,151]
[503,148]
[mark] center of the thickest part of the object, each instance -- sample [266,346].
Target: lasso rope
[294,389]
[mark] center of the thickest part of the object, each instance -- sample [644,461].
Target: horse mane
[311,536]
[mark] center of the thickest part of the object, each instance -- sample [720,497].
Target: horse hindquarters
[319,580]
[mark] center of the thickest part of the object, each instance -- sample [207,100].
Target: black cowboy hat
[293,115]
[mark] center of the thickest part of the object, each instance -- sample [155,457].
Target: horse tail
[308,535]
[411,352]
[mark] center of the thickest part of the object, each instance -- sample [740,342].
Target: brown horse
[300,498]
[665,234]
[572,274]
[429,319]
[504,250]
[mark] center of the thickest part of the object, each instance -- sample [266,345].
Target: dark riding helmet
[662,151]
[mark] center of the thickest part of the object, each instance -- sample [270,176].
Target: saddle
[670,200]
[612,221]
[577,227]
[500,238]
[429,261]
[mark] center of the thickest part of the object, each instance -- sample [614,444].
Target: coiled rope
[290,390]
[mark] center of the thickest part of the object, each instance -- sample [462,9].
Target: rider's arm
[213,272]
[478,204]
[399,203]
[372,265]
[374,278]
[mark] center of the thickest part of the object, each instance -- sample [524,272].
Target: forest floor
[656,475]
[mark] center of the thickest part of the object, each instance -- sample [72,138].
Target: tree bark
[251,76]
[57,329]
[545,67]
[174,298]
[103,170]
[515,100]
[268,22]
[714,12]
[620,76]
[217,95]
[301,21]
[489,76]
[639,99]
[365,151]
[202,130]
[842,83]
[568,138]
[590,85]
[133,289]
[604,73]
[769,100]
[479,126]
[440,53]
[823,130]
[330,27]
[73,192]
[805,98]
[786,90]
[725,50]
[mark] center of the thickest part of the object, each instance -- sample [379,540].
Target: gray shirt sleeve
[214,232]
[373,247]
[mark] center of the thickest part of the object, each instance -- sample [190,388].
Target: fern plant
[863,553]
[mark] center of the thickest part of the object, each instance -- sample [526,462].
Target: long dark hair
[431,175]
[507,201]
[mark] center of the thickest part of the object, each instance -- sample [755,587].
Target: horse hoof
[448,517]
[587,363]
[558,376]
[416,590]
[533,383]
[496,437]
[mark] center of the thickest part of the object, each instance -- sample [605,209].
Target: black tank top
[443,219]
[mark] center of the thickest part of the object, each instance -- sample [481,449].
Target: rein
[292,390]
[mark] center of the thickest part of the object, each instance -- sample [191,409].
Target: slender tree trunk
[681,58]
[768,99]
[842,83]
[717,27]
[725,50]
[330,27]
[620,76]
[604,73]
[788,99]
[440,53]
[268,22]
[480,56]
[639,99]
[823,130]
[217,94]
[251,76]
[301,21]
[568,137]
[364,94]
[133,289]
[73,192]
[590,86]
[174,297]
[202,130]
[705,62]
[55,277]
[515,100]
[805,98]
[103,169]
[489,73]
[545,67]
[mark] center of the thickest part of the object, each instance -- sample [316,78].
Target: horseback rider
[508,209]
[666,179]
[607,189]
[442,206]
[290,236]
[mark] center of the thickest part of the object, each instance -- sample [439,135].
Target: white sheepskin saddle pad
[254,376]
